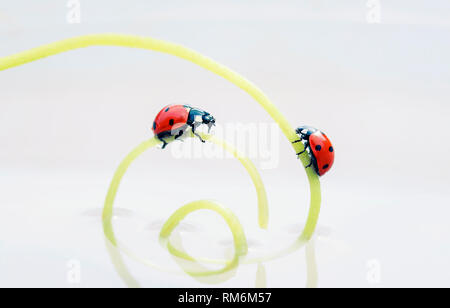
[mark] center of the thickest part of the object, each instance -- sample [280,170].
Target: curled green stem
[232,221]
[134,41]
[240,241]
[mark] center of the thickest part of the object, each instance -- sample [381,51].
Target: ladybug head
[306,130]
[209,120]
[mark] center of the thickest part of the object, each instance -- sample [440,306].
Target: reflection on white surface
[37,241]
[118,213]
[189,266]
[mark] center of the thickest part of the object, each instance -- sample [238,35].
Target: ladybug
[319,148]
[174,120]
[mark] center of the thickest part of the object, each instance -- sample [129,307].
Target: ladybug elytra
[319,148]
[174,120]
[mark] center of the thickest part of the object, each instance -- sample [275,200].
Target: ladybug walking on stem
[174,120]
[318,147]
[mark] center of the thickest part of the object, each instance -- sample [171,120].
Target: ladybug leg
[164,142]
[300,153]
[199,137]
[306,145]
[179,134]
[299,140]
[313,163]
[302,138]
[193,126]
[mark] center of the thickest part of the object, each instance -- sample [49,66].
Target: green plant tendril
[240,242]
[178,216]
[197,58]
[193,266]
[209,64]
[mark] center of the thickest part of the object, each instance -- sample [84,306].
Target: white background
[380,91]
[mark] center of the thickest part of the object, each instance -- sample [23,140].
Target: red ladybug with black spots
[319,148]
[174,120]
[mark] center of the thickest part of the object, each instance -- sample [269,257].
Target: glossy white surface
[378,90]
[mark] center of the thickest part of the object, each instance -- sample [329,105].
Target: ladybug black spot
[171,122]
[167,109]
[318,147]
[154,125]
[326,166]
[331,149]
